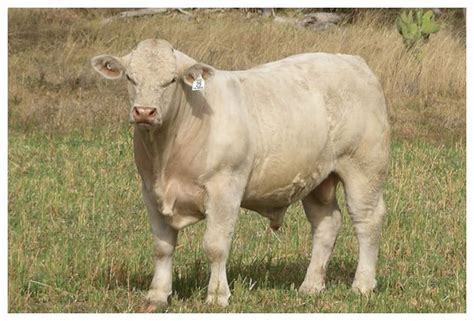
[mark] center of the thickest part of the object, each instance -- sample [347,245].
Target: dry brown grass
[52,86]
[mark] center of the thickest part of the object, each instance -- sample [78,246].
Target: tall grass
[51,84]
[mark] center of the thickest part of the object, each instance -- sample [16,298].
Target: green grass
[79,239]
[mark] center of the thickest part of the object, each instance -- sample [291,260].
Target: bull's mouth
[145,122]
[146,125]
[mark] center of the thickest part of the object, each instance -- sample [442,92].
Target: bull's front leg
[222,210]
[164,238]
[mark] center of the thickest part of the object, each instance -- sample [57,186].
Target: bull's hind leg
[367,209]
[323,213]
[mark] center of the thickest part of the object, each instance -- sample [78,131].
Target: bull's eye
[130,79]
[169,83]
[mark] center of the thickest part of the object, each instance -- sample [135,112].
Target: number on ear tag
[198,83]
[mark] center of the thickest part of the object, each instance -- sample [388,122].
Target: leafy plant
[417,27]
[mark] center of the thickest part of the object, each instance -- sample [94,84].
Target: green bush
[416,28]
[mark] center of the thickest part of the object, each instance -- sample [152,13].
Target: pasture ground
[79,240]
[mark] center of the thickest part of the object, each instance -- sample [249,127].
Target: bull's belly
[262,195]
[290,159]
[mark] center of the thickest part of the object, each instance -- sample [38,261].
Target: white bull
[261,139]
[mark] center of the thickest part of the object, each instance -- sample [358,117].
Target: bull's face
[151,74]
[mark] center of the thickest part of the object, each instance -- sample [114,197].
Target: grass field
[79,239]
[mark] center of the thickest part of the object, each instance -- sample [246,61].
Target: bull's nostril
[144,114]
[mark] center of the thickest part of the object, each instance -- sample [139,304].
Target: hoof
[155,300]
[364,288]
[150,307]
[221,300]
[312,289]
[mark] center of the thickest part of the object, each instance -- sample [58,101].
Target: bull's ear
[108,66]
[196,70]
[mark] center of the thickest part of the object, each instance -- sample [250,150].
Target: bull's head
[154,72]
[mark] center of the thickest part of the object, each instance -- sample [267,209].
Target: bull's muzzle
[145,115]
